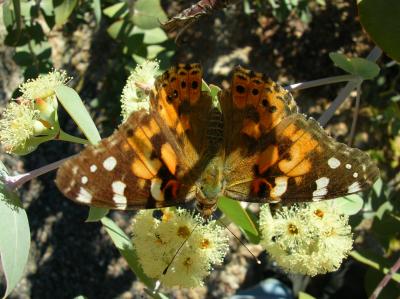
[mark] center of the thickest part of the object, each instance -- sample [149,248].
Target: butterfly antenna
[241,242]
[180,247]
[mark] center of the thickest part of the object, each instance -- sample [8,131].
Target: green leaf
[73,104]
[386,228]
[63,9]
[349,205]
[375,262]
[381,21]
[96,6]
[234,211]
[305,296]
[96,214]
[148,14]
[23,58]
[116,10]
[154,50]
[14,236]
[125,247]
[151,36]
[120,29]
[356,66]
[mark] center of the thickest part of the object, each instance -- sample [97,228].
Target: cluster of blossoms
[308,238]
[158,243]
[32,119]
[135,95]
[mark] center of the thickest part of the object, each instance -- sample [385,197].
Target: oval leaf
[148,14]
[381,21]
[63,10]
[349,205]
[14,237]
[234,211]
[96,214]
[356,66]
[73,104]
[151,36]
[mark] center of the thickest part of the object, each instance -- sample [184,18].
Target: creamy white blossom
[156,242]
[309,238]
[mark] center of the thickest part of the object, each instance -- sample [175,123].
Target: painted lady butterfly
[253,146]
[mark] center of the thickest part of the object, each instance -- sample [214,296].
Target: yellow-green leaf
[14,236]
[63,9]
[234,211]
[73,104]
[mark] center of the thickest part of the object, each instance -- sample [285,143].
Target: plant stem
[355,116]
[344,93]
[13,182]
[323,81]
[67,137]
[385,279]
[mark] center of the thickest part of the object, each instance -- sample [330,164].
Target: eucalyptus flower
[308,238]
[18,125]
[135,95]
[44,85]
[158,245]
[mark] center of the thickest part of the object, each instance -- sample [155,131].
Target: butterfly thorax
[210,186]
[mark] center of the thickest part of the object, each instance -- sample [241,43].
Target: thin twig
[14,182]
[319,82]
[355,116]
[385,280]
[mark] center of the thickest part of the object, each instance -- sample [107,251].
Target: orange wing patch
[240,87]
[264,102]
[303,145]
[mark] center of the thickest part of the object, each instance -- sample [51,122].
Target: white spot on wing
[353,188]
[322,182]
[321,190]
[120,200]
[333,163]
[155,189]
[280,187]
[348,166]
[93,168]
[84,196]
[84,179]
[118,187]
[318,193]
[355,175]
[110,163]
